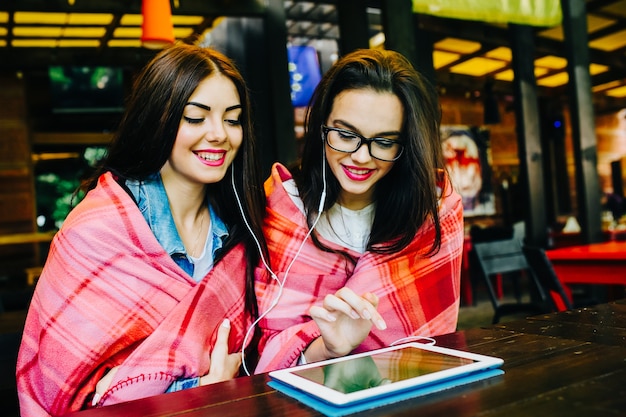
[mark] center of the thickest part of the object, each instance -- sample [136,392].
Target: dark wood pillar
[582,120]
[282,117]
[398,26]
[353,25]
[529,134]
[424,49]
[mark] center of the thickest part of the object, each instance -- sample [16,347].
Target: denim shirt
[154,205]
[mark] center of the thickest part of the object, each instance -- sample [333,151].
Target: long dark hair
[408,195]
[146,134]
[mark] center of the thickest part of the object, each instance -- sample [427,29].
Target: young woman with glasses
[366,234]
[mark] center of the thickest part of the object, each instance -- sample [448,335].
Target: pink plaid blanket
[419,295]
[110,295]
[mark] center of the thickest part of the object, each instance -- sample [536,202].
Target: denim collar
[154,206]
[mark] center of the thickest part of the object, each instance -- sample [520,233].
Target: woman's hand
[344,320]
[224,365]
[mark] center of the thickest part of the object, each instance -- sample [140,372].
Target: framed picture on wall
[468,160]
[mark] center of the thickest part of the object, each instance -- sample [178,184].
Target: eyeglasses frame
[362,139]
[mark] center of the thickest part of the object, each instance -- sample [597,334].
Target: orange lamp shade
[157,28]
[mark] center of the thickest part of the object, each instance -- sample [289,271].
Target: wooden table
[563,364]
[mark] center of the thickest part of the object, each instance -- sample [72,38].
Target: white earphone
[267,267]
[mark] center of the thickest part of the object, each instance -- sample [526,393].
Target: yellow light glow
[594,23]
[457,45]
[377,40]
[503,53]
[441,59]
[617,92]
[554,80]
[477,66]
[551,61]
[131,20]
[3,31]
[127,32]
[506,75]
[597,68]
[22,18]
[90,18]
[79,43]
[77,32]
[187,20]
[34,43]
[125,43]
[606,86]
[182,32]
[4,17]
[611,42]
[37,32]
[3,42]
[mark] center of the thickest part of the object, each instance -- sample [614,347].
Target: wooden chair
[542,267]
[504,258]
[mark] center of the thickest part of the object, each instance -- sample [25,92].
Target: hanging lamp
[157,28]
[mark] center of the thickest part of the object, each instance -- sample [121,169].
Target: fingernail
[330,317]
[366,314]
[96,398]
[354,314]
[226,323]
[381,324]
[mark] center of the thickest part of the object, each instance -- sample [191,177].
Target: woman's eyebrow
[348,126]
[202,106]
[208,108]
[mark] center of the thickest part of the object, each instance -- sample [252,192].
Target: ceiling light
[460,46]
[4,17]
[606,86]
[79,43]
[77,32]
[34,43]
[597,68]
[477,66]
[131,20]
[503,53]
[554,80]
[21,18]
[617,92]
[125,43]
[37,32]
[157,29]
[90,18]
[179,20]
[551,61]
[611,42]
[441,58]
[127,32]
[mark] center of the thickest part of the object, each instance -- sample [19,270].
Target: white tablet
[366,376]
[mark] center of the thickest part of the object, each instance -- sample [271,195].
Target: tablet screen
[384,371]
[380,369]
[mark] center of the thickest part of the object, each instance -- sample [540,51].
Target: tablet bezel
[329,395]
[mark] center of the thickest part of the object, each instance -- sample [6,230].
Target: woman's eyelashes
[193,120]
[199,120]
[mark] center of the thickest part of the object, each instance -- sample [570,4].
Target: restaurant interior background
[50,134]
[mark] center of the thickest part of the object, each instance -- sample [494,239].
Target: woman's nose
[215,132]
[362,154]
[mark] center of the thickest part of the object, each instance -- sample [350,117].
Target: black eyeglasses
[347,141]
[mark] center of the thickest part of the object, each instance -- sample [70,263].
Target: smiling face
[209,134]
[371,114]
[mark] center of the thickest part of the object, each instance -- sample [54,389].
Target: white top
[340,225]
